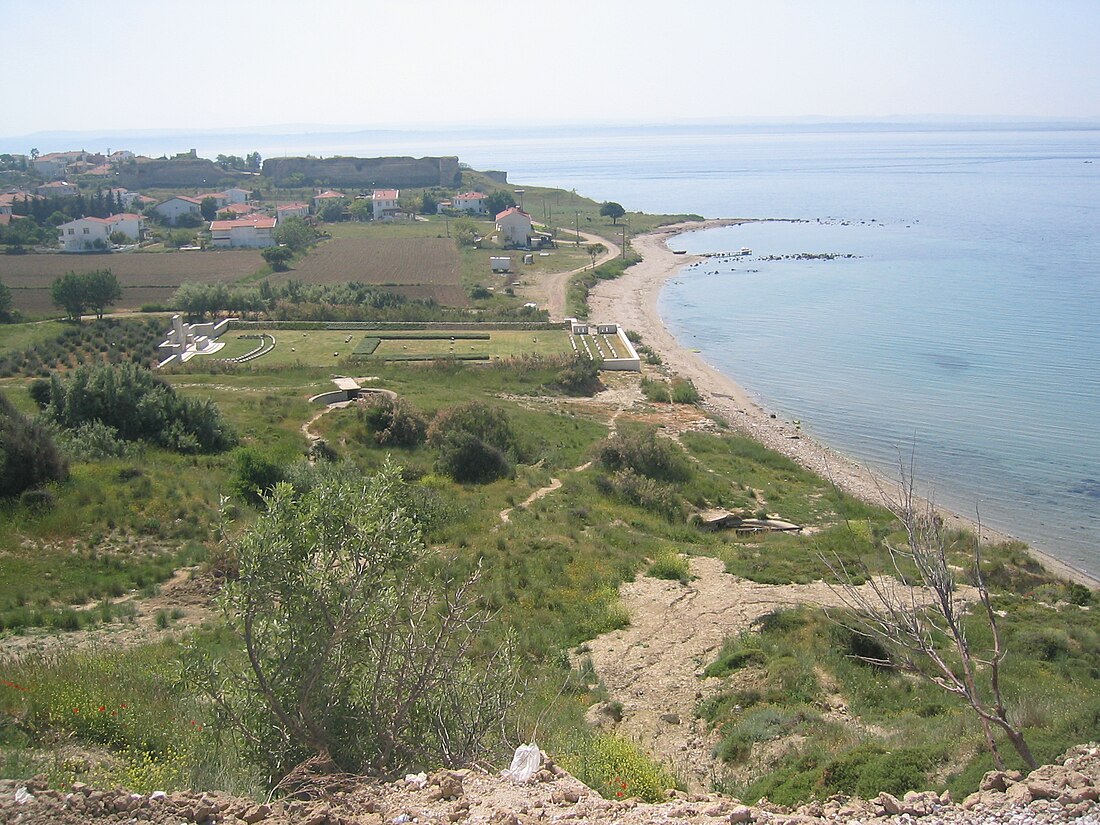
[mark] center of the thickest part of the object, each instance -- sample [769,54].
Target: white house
[383,200]
[292,210]
[221,200]
[237,195]
[58,189]
[82,234]
[514,226]
[469,202]
[172,208]
[252,232]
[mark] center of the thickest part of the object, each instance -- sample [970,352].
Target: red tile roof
[239,209]
[470,196]
[385,194]
[512,210]
[329,194]
[283,206]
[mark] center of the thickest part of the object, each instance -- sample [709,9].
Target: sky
[149,64]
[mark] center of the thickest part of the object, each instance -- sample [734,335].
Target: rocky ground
[1064,792]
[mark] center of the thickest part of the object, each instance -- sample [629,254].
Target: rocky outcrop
[372,173]
[1053,794]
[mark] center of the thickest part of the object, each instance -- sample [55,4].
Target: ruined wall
[197,173]
[365,172]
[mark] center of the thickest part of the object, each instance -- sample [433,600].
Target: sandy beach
[632,302]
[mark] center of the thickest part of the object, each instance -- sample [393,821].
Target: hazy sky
[197,64]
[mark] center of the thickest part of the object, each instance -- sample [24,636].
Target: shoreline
[631,300]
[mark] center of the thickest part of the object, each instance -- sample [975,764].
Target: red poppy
[102,708]
[76,710]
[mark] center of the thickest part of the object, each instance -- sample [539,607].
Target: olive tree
[356,644]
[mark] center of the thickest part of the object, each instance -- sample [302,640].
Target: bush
[656,391]
[737,652]
[617,769]
[329,582]
[392,422]
[28,455]
[476,442]
[94,441]
[278,258]
[671,566]
[580,377]
[255,476]
[653,496]
[646,454]
[684,392]
[138,406]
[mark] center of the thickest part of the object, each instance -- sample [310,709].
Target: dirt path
[549,291]
[654,666]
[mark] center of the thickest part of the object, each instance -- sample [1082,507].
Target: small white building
[292,210]
[82,234]
[172,208]
[237,195]
[249,232]
[384,200]
[221,200]
[469,202]
[514,226]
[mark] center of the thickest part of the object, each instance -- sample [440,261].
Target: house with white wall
[82,234]
[237,195]
[469,202]
[249,232]
[57,189]
[514,226]
[171,209]
[384,200]
[292,210]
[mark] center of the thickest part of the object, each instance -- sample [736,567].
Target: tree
[476,442]
[68,293]
[612,210]
[464,231]
[101,290]
[357,642]
[498,201]
[428,204]
[208,208]
[294,233]
[332,210]
[919,617]
[254,161]
[278,257]
[594,251]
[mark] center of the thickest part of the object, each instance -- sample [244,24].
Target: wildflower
[76,710]
[12,685]
[102,708]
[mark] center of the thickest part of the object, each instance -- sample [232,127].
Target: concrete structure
[609,342]
[384,202]
[82,234]
[500,264]
[185,341]
[514,226]
[473,202]
[171,209]
[249,232]
[221,200]
[238,195]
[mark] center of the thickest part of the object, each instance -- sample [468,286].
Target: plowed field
[416,267]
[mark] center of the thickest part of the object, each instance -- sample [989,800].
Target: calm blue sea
[964,328]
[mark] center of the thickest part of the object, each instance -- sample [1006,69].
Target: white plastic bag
[525,764]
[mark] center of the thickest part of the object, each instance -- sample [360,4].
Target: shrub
[330,582]
[656,391]
[654,496]
[94,441]
[467,459]
[646,454]
[737,652]
[255,476]
[581,376]
[393,422]
[476,442]
[28,455]
[617,769]
[139,406]
[671,566]
[684,392]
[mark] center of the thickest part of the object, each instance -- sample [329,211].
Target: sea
[919,293]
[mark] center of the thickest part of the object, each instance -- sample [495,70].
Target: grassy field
[332,347]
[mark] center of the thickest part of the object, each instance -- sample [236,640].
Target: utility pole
[577,226]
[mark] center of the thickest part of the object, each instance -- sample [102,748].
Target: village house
[171,209]
[55,164]
[514,226]
[384,202]
[249,232]
[469,202]
[221,200]
[292,210]
[236,210]
[94,234]
[57,189]
[237,195]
